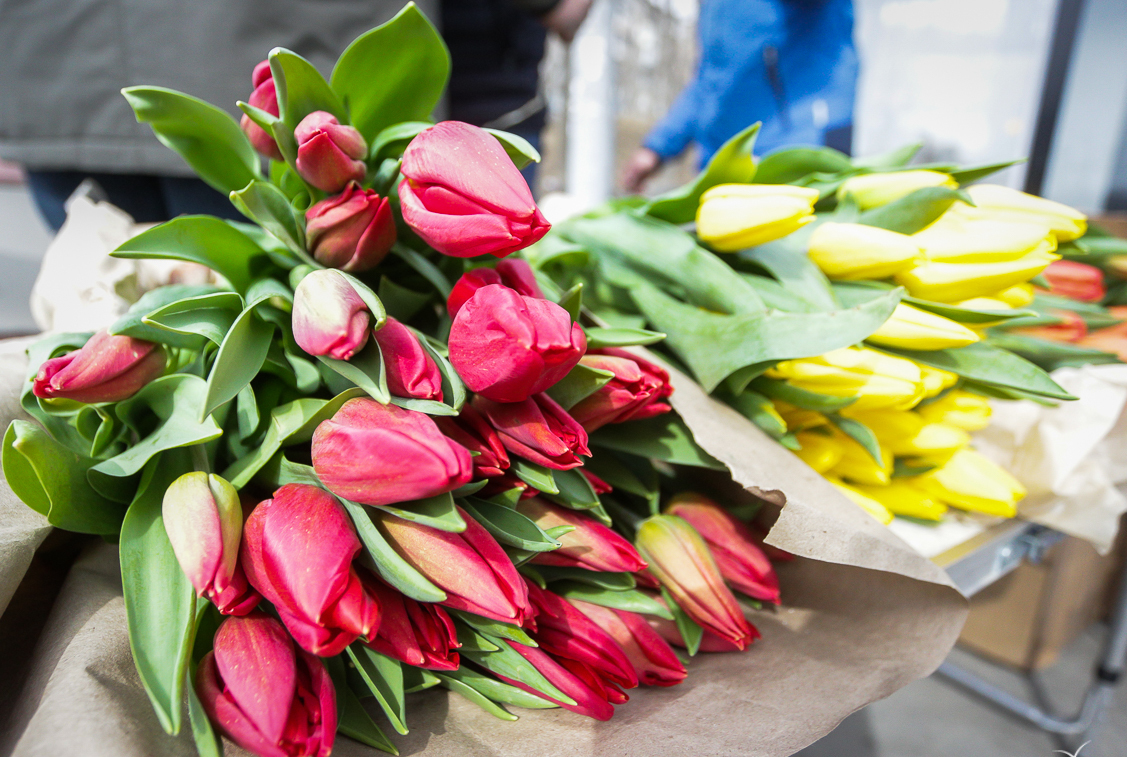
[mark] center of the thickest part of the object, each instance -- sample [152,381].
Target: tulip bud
[904,497]
[1078,281]
[514,273]
[472,431]
[508,347]
[874,379]
[1005,204]
[741,561]
[972,482]
[876,189]
[655,663]
[970,412]
[204,522]
[411,371]
[329,155]
[298,551]
[633,394]
[462,194]
[600,486]
[1071,328]
[537,429]
[709,641]
[264,97]
[849,251]
[955,238]
[470,567]
[417,633]
[352,231]
[1112,340]
[329,317]
[263,694]
[679,558]
[591,695]
[592,545]
[914,329]
[936,380]
[952,282]
[734,217]
[819,451]
[866,503]
[857,465]
[382,454]
[105,369]
[564,631]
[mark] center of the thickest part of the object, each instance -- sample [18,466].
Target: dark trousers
[147,198]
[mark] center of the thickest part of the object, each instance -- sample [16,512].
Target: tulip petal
[248,652]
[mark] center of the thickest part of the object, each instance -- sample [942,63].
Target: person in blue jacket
[788,63]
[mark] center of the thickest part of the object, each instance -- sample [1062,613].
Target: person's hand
[566,17]
[640,167]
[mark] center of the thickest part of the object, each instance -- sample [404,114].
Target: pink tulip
[564,631]
[470,567]
[204,522]
[298,551]
[591,545]
[265,695]
[1079,281]
[654,661]
[507,347]
[679,558]
[472,431]
[329,154]
[264,97]
[742,563]
[593,697]
[634,393]
[105,369]
[382,454]
[329,317]
[537,429]
[352,231]
[462,194]
[514,273]
[417,633]
[411,371]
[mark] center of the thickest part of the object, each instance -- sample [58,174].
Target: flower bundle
[380,455]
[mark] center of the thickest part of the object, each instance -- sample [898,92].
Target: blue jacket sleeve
[673,133]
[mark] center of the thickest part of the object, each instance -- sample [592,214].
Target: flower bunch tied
[383,453]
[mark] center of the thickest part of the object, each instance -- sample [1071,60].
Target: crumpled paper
[1072,457]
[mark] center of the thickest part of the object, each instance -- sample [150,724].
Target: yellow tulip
[972,482]
[936,380]
[868,504]
[872,378]
[818,451]
[914,329]
[904,497]
[733,217]
[985,303]
[887,424]
[1004,204]
[936,441]
[875,189]
[848,251]
[955,282]
[798,419]
[955,238]
[1017,296]
[858,466]
[970,412]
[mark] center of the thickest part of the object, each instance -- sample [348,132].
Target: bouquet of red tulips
[379,455]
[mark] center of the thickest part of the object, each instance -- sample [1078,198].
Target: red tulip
[709,642]
[1080,281]
[105,369]
[473,432]
[592,696]
[1112,339]
[382,454]
[329,317]
[1072,328]
[352,231]
[600,486]
[470,567]
[742,563]
[329,154]
[204,522]
[514,273]
[265,695]
[411,371]
[462,194]
[654,661]
[633,394]
[417,633]
[591,545]
[507,347]
[564,631]
[264,97]
[537,429]
[298,550]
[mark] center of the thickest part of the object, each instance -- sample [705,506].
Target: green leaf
[387,562]
[598,338]
[52,480]
[786,260]
[160,604]
[493,629]
[691,633]
[497,691]
[595,578]
[731,164]
[802,398]
[417,679]
[853,293]
[424,267]
[507,662]
[517,147]
[365,370]
[132,323]
[239,359]
[760,411]
[477,697]
[580,382]
[438,511]
[395,72]
[791,164]
[1050,355]
[897,158]
[210,316]
[401,302]
[384,677]
[208,743]
[264,203]
[301,89]
[352,719]
[453,390]
[989,365]
[663,437]
[536,476]
[472,641]
[508,526]
[573,490]
[393,140]
[622,476]
[205,136]
[859,433]
[205,240]
[572,302]
[970,175]
[630,600]
[915,211]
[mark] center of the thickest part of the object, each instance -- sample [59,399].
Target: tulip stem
[199,458]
